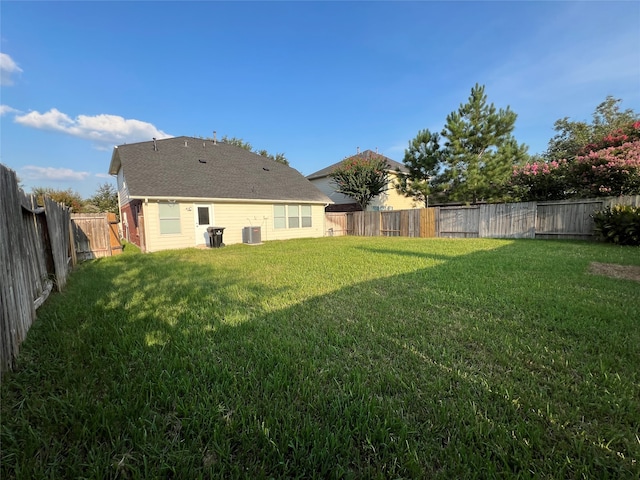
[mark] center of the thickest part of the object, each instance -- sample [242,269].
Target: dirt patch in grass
[628,272]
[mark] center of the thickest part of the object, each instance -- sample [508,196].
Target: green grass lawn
[333,358]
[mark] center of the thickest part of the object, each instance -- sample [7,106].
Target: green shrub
[619,225]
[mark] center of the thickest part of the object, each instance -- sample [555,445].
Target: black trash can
[215,236]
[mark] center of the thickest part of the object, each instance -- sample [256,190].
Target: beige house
[389,200]
[172,191]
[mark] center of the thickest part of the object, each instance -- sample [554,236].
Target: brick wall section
[130,227]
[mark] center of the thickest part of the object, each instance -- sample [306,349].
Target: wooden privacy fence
[408,223]
[566,219]
[336,224]
[36,256]
[95,235]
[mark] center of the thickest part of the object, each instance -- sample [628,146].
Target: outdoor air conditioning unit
[251,235]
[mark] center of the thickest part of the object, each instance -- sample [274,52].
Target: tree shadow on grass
[168,366]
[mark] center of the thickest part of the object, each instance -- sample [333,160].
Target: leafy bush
[619,225]
[607,167]
[607,172]
[540,180]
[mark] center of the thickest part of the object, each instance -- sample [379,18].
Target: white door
[203,220]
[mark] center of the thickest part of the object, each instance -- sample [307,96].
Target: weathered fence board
[567,219]
[114,234]
[459,222]
[410,223]
[95,235]
[336,224]
[58,224]
[39,260]
[394,223]
[428,227]
[34,250]
[18,311]
[390,225]
[507,220]
[364,224]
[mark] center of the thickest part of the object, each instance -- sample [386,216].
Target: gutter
[146,199]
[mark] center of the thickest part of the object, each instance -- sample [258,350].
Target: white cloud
[102,129]
[31,172]
[5,109]
[8,68]
[104,175]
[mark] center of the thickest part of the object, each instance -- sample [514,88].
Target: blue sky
[313,80]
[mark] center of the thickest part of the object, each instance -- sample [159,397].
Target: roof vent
[202,161]
[215,140]
[185,143]
[155,145]
[358,150]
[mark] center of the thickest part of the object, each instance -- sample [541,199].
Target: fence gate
[336,224]
[428,222]
[95,235]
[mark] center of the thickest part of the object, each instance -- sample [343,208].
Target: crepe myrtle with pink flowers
[610,166]
[362,177]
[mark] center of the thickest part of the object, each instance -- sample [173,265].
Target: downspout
[119,206]
[324,220]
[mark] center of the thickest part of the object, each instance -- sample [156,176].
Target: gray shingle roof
[393,165]
[195,168]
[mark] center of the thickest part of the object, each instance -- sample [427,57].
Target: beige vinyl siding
[398,201]
[235,216]
[155,241]
[392,199]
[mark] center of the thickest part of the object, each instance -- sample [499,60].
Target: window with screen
[169,218]
[279,216]
[292,216]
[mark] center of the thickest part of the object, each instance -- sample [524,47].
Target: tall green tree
[105,199]
[422,161]
[572,136]
[471,160]
[479,150]
[362,178]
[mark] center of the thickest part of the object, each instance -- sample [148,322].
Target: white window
[305,212]
[279,216]
[169,218]
[292,216]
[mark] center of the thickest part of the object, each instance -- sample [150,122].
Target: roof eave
[227,200]
[114,166]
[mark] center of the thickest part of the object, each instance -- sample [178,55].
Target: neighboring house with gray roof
[171,190]
[389,200]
